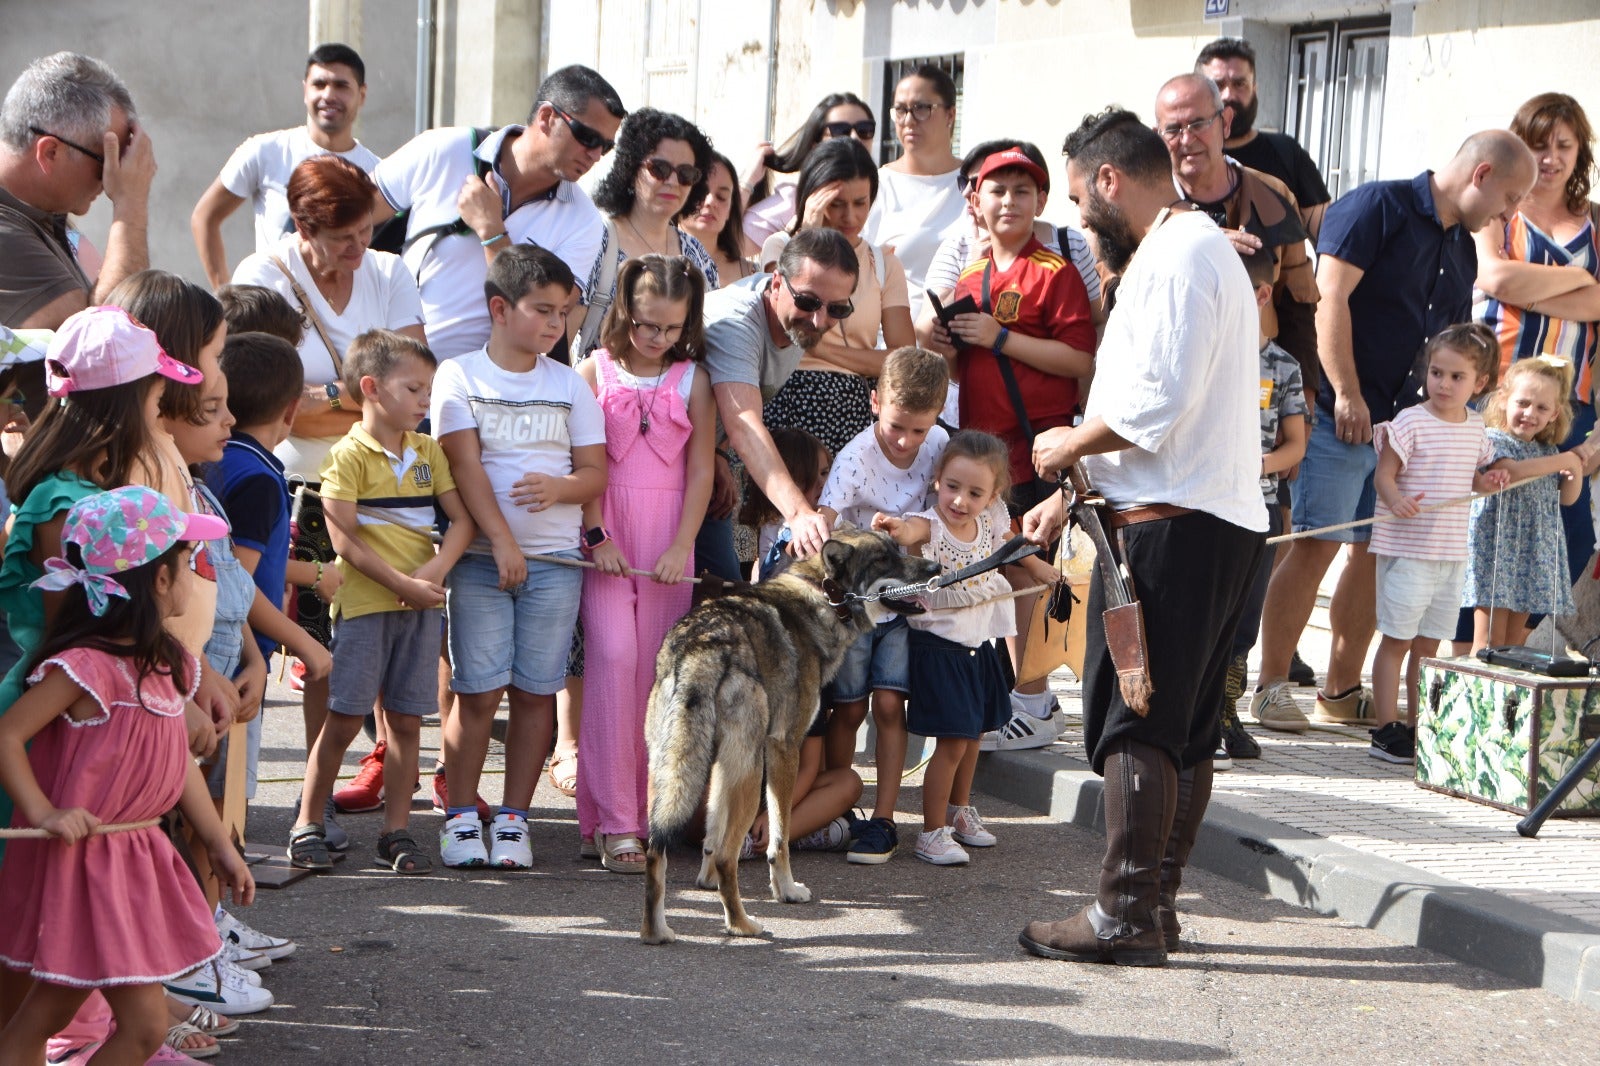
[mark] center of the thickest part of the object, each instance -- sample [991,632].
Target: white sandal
[182,1031]
[613,847]
[210,1022]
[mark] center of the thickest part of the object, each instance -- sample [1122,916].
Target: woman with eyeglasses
[772,203]
[657,174]
[829,393]
[714,222]
[920,201]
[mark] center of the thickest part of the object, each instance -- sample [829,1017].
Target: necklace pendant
[644,423]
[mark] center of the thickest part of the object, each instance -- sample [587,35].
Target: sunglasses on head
[808,303]
[584,134]
[866,129]
[661,170]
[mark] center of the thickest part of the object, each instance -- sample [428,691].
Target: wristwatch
[593,538]
[332,390]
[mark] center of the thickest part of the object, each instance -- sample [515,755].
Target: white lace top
[979,616]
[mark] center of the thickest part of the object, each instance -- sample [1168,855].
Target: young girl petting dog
[958,686]
[104,717]
[660,436]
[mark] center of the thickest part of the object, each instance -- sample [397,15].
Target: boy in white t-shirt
[526,443]
[886,467]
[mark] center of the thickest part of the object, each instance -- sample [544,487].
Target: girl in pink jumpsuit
[660,436]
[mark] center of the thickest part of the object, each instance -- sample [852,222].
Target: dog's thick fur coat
[738,681]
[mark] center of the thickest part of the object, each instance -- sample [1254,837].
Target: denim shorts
[519,637]
[1334,486]
[1419,597]
[877,660]
[395,653]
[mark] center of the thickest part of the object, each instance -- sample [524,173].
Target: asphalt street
[902,963]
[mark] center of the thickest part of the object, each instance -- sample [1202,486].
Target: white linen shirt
[1177,375]
[424,176]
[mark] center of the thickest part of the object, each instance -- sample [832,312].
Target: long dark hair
[184,317]
[840,159]
[792,154]
[640,134]
[732,227]
[131,628]
[666,278]
[106,422]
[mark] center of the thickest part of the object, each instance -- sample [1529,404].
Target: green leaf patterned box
[1504,737]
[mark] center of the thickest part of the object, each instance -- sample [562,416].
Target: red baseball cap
[1012,157]
[104,346]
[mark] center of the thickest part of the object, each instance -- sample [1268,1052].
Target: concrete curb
[1525,943]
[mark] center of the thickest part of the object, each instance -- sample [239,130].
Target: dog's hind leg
[739,798]
[716,828]
[783,763]
[655,929]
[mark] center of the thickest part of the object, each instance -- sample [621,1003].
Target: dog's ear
[835,553]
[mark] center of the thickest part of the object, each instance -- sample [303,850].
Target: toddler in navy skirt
[958,685]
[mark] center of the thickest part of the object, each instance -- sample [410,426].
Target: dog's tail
[681,736]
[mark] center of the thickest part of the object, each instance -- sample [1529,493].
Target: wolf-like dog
[738,681]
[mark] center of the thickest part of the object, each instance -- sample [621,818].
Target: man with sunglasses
[68,132]
[468,198]
[756,331]
[335,89]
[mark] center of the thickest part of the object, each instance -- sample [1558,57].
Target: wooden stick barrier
[99,830]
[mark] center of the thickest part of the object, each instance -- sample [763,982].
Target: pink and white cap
[118,531]
[104,346]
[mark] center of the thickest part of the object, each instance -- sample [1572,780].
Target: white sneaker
[244,958]
[1022,732]
[1221,760]
[511,849]
[231,929]
[214,987]
[939,847]
[461,842]
[835,836]
[968,828]
[239,972]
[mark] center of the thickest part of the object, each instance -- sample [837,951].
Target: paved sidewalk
[1318,821]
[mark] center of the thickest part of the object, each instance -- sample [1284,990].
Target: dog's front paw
[794,893]
[745,927]
[662,934]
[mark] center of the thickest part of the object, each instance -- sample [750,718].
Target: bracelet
[497,237]
[318,581]
[1000,341]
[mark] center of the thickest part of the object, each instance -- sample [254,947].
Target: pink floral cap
[104,346]
[118,531]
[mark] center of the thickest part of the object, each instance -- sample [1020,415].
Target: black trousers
[1192,574]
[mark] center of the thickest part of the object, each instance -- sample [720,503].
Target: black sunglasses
[96,156]
[584,134]
[808,302]
[866,129]
[661,170]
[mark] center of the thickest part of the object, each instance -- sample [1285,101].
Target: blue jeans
[1335,484]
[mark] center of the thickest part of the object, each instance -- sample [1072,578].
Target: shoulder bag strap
[604,293]
[1006,373]
[312,317]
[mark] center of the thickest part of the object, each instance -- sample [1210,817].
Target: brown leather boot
[1122,926]
[1194,795]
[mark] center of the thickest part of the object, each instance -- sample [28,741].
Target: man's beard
[1114,237]
[1244,118]
[802,335]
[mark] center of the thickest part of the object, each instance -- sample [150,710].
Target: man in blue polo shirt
[1396,266]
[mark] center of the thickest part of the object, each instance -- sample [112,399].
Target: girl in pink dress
[119,911]
[660,426]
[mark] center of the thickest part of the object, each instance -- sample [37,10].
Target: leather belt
[1150,512]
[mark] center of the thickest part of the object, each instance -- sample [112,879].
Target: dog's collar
[839,599]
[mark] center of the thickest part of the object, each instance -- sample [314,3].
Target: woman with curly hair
[1539,274]
[771,204]
[658,172]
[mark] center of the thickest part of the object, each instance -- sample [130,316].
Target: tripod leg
[1529,825]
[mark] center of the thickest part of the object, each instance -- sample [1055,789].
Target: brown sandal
[564,781]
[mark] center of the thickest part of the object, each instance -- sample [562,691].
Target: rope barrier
[1457,502]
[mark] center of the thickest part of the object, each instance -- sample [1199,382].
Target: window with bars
[953,64]
[1335,105]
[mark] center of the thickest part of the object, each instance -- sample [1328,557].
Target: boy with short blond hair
[380,484]
[886,467]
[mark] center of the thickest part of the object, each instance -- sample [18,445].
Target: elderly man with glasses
[68,132]
[756,331]
[470,194]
